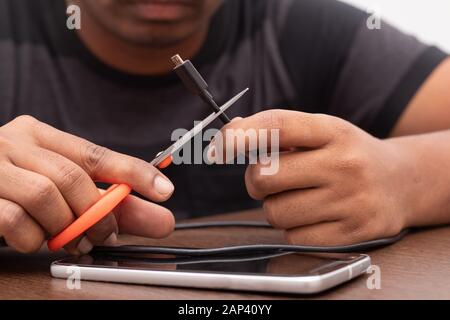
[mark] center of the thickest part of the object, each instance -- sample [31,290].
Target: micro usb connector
[195,83]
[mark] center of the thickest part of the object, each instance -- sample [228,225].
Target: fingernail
[112,240]
[85,246]
[211,153]
[163,186]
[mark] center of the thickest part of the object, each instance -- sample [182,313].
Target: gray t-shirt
[308,55]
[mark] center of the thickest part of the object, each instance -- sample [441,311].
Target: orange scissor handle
[113,196]
[110,199]
[165,163]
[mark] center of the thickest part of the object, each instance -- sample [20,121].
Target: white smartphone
[277,272]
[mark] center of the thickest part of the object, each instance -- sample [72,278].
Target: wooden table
[417,267]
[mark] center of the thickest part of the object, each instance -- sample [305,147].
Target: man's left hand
[336,185]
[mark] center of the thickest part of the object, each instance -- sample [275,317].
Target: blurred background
[429,20]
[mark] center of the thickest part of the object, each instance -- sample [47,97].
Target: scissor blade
[224,108]
[207,121]
[198,128]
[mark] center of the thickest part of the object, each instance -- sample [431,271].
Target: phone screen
[275,264]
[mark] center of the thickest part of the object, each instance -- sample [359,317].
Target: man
[365,170]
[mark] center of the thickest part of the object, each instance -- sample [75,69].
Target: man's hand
[337,185]
[47,180]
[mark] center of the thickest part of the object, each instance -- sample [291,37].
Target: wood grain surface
[418,267]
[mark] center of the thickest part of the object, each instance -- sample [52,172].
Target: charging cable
[195,83]
[244,249]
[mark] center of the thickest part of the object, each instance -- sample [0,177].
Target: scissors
[118,192]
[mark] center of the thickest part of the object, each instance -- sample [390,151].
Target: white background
[427,19]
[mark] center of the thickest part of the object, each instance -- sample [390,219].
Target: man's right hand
[47,180]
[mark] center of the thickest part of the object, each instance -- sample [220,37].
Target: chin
[152,22]
[158,34]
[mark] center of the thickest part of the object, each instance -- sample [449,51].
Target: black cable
[245,249]
[195,83]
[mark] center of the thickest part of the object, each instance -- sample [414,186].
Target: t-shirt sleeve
[340,66]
